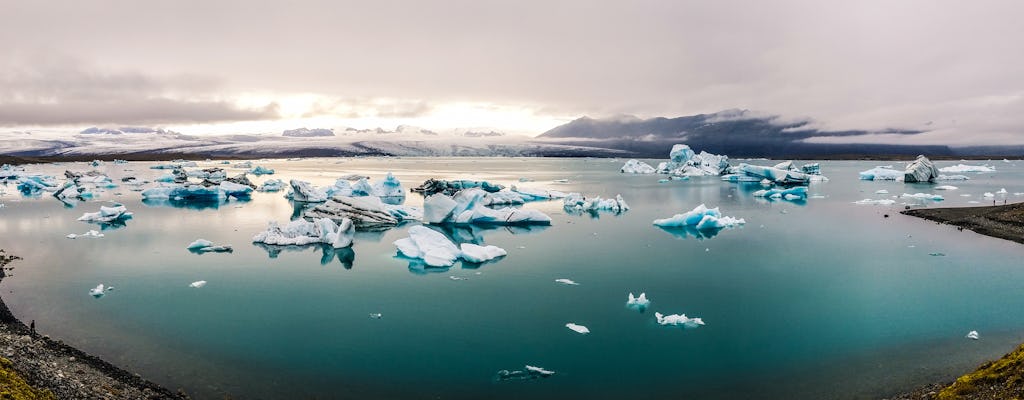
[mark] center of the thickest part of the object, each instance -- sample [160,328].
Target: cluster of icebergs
[468,206]
[389,188]
[921,170]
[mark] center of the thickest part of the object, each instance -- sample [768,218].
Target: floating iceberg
[961,168]
[97,291]
[920,170]
[797,193]
[206,191]
[108,215]
[92,234]
[777,175]
[565,281]
[881,174]
[271,185]
[946,187]
[683,161]
[260,170]
[197,284]
[972,335]
[505,197]
[432,186]
[479,254]
[922,196]
[530,372]
[578,328]
[241,179]
[367,213]
[678,320]
[389,187]
[212,174]
[305,192]
[466,207]
[1002,191]
[431,246]
[301,232]
[881,191]
[576,202]
[701,218]
[879,202]
[736,178]
[637,167]
[988,194]
[205,246]
[639,303]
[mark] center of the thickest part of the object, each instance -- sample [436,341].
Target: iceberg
[961,168]
[637,167]
[988,194]
[92,234]
[301,232]
[881,174]
[241,179]
[432,186]
[565,281]
[479,254]
[213,174]
[271,185]
[736,178]
[200,246]
[529,194]
[879,202]
[639,303]
[431,246]
[305,192]
[777,175]
[881,191]
[575,202]
[701,218]
[97,291]
[578,328]
[797,193]
[678,320]
[924,196]
[389,187]
[1002,191]
[197,284]
[467,207]
[72,190]
[683,161]
[366,213]
[108,215]
[920,170]
[946,187]
[260,170]
[972,335]
[529,372]
[504,197]
[206,191]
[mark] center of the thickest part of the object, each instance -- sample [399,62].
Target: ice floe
[114,214]
[796,193]
[431,246]
[205,246]
[565,281]
[678,320]
[367,213]
[946,187]
[260,170]
[962,168]
[774,174]
[305,192]
[637,167]
[432,186]
[878,202]
[92,234]
[702,218]
[197,284]
[883,173]
[478,254]
[301,232]
[532,194]
[575,202]
[578,328]
[207,191]
[683,161]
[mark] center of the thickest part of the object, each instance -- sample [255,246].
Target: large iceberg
[108,215]
[683,161]
[436,250]
[576,202]
[777,175]
[467,207]
[701,218]
[637,167]
[367,213]
[881,174]
[301,232]
[961,168]
[920,170]
[305,192]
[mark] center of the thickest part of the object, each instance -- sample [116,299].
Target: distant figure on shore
[32,327]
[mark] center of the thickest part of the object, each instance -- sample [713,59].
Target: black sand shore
[64,371]
[1001,221]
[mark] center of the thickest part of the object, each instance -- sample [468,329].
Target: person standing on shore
[32,327]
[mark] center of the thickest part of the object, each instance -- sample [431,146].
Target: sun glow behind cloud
[317,111]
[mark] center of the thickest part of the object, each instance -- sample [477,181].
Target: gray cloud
[849,65]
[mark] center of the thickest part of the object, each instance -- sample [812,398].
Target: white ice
[92,234]
[638,302]
[301,232]
[883,173]
[565,281]
[879,202]
[97,291]
[881,191]
[197,284]
[271,185]
[962,168]
[946,187]
[678,320]
[429,245]
[577,202]
[637,167]
[972,335]
[922,196]
[467,207]
[578,328]
[478,254]
[702,218]
[117,212]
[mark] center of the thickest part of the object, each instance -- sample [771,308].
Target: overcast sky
[953,68]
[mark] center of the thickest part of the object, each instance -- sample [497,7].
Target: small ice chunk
[946,187]
[638,302]
[478,254]
[97,291]
[197,284]
[578,328]
[923,196]
[881,191]
[1002,191]
[988,194]
[937,254]
[972,335]
[678,320]
[92,234]
[539,371]
[376,315]
[456,278]
[199,243]
[565,281]
[529,372]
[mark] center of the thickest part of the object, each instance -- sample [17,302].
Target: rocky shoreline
[64,371]
[1001,221]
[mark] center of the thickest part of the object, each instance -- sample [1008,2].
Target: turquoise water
[819,299]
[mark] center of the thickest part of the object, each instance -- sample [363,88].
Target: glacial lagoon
[821,298]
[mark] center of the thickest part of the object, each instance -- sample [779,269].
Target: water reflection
[475,233]
[684,232]
[346,256]
[193,204]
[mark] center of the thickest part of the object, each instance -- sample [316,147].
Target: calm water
[820,299]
